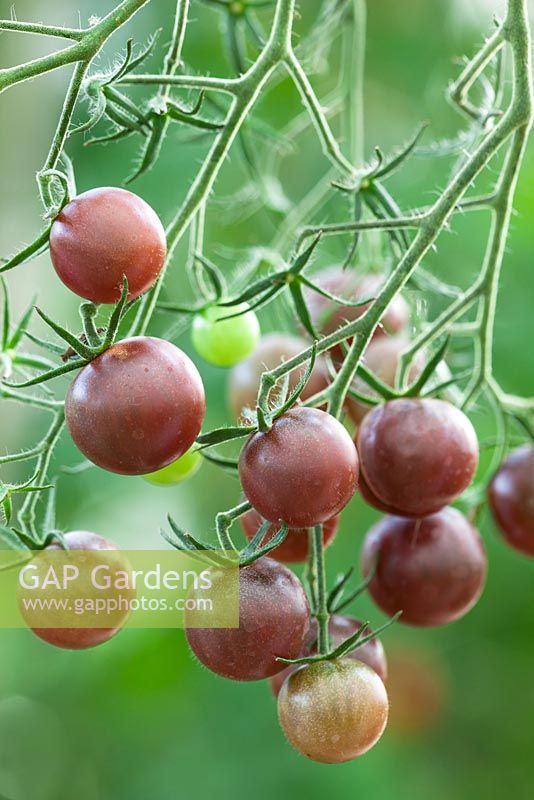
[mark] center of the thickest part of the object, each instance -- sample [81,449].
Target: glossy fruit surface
[80,638]
[333,711]
[273,349]
[225,342]
[382,357]
[341,628]
[137,407]
[417,455]
[177,472]
[295,547]
[102,236]
[511,497]
[302,471]
[432,569]
[274,621]
[328,316]
[371,499]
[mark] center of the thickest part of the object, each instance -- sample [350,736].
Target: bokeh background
[137,718]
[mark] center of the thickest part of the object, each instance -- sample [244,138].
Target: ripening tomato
[511,497]
[295,547]
[303,471]
[333,711]
[177,472]
[225,342]
[274,619]
[432,569]
[381,357]
[137,407]
[328,316]
[417,455]
[273,349]
[340,628]
[371,499]
[102,236]
[78,638]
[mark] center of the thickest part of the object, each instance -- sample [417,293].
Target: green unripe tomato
[225,342]
[177,472]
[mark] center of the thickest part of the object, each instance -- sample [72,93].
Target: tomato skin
[302,471]
[371,499]
[273,349]
[137,407]
[78,638]
[431,569]
[328,316]
[511,498]
[295,547]
[178,471]
[417,455]
[225,342]
[333,711]
[340,628]
[103,235]
[274,620]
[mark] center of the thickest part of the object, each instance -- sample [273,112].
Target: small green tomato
[225,342]
[177,472]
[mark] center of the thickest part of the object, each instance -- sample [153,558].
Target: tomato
[511,497]
[302,471]
[371,499]
[177,472]
[333,711]
[78,638]
[417,456]
[137,407]
[273,349]
[102,236]
[417,689]
[328,316]
[274,618]
[340,628]
[381,357]
[225,342]
[295,547]
[431,569]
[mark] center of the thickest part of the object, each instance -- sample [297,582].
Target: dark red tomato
[431,569]
[333,711]
[102,236]
[381,357]
[137,407]
[78,638]
[511,497]
[274,619]
[328,316]
[341,628]
[295,547]
[417,456]
[303,471]
[274,348]
[371,499]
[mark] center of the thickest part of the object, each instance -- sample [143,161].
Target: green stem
[319,576]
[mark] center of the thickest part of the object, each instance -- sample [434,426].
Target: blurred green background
[137,718]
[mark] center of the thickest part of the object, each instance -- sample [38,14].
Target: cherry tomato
[340,628]
[417,456]
[102,236]
[511,497]
[333,711]
[177,472]
[371,499]
[432,569]
[225,342]
[77,638]
[295,547]
[273,349]
[137,407]
[274,618]
[328,316]
[302,471]
[381,357]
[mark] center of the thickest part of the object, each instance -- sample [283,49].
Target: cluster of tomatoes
[139,407]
